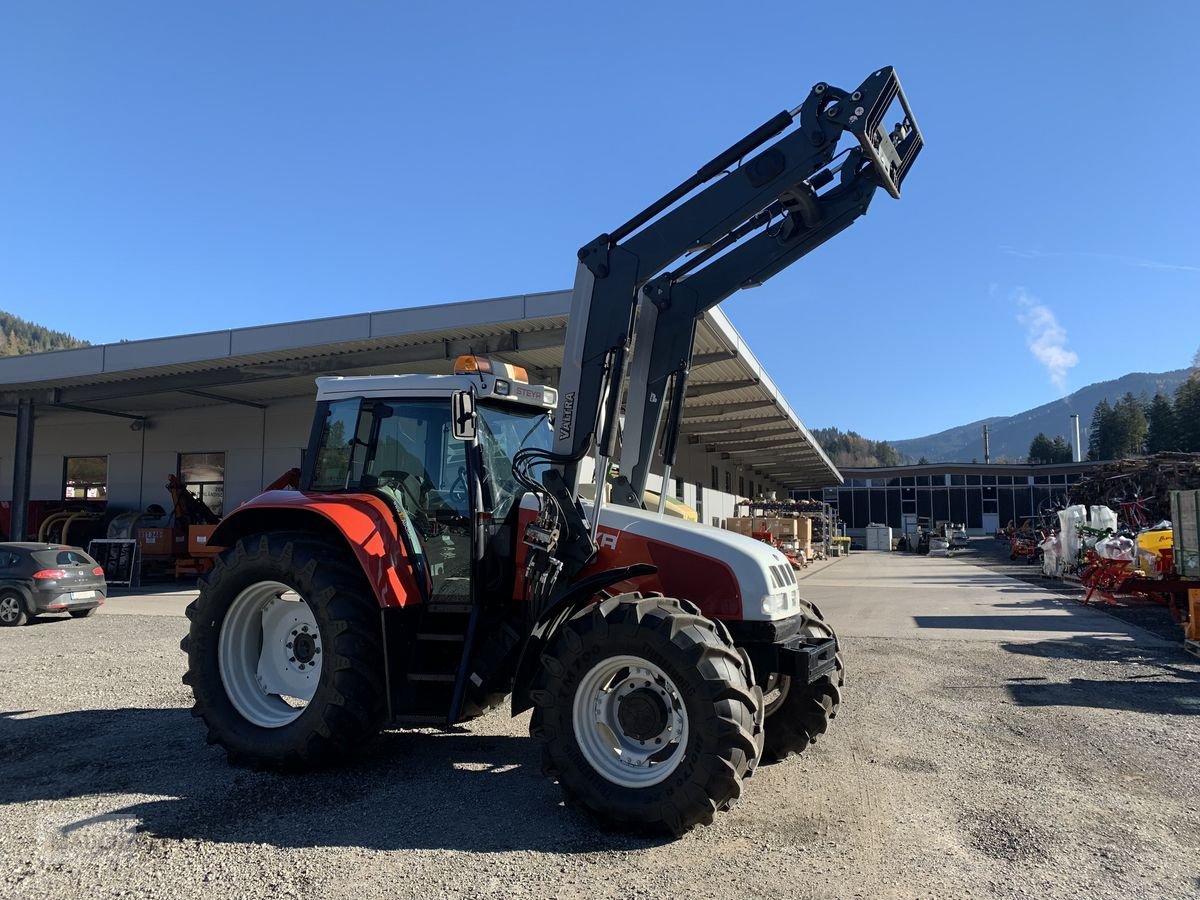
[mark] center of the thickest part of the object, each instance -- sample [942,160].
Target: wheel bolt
[316,650]
[294,632]
[301,667]
[304,628]
[289,645]
[292,659]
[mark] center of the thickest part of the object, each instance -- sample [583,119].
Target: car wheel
[12,609]
[83,613]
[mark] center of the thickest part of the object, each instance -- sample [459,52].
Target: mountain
[18,337]
[1010,436]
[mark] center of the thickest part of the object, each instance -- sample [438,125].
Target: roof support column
[22,465]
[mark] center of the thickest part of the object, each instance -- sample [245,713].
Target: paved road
[993,743]
[875,594]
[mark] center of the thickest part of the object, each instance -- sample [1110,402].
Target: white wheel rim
[269,654]
[641,758]
[9,609]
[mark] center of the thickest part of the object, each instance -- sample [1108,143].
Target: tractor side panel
[363,521]
[707,582]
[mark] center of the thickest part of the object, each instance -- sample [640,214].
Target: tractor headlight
[781,604]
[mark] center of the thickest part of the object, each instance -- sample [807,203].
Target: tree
[848,448]
[1041,449]
[1099,434]
[1129,438]
[1187,415]
[1062,450]
[1163,433]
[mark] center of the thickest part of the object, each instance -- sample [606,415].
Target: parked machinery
[438,555]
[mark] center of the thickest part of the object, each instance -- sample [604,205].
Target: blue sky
[181,167]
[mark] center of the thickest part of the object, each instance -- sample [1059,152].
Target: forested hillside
[18,337]
[848,448]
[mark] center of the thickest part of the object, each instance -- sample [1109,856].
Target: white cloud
[1136,262]
[1046,338]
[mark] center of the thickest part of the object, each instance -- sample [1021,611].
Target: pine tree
[1187,415]
[1130,437]
[1061,450]
[1163,433]
[1041,449]
[1099,434]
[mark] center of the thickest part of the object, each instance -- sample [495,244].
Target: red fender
[364,521]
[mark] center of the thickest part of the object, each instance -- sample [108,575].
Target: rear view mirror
[462,405]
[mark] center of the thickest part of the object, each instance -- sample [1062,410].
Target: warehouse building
[228,411]
[984,497]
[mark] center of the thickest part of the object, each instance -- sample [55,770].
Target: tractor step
[432,676]
[449,606]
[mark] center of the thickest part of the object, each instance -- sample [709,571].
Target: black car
[43,578]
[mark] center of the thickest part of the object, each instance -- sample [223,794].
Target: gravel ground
[957,769]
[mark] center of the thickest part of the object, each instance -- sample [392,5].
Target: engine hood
[765,579]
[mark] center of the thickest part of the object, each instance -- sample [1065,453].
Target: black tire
[83,613]
[12,610]
[715,692]
[796,718]
[348,706]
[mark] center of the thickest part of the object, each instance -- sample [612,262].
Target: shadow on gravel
[1154,679]
[1009,623]
[448,790]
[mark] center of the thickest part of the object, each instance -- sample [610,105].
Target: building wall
[978,498]
[259,446]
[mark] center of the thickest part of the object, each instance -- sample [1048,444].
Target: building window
[203,475]
[679,489]
[699,502]
[85,478]
[741,485]
[729,482]
[716,479]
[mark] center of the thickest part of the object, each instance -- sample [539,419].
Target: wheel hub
[269,654]
[630,721]
[642,714]
[303,647]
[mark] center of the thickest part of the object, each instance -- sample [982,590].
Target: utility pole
[987,452]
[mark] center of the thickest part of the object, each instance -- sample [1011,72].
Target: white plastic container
[878,537]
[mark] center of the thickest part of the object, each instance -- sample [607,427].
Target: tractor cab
[395,437]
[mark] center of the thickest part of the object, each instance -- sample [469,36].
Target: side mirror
[462,405]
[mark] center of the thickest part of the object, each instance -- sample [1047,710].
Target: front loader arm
[797,222]
[763,210]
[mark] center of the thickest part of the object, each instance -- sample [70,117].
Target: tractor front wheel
[797,714]
[647,714]
[285,654]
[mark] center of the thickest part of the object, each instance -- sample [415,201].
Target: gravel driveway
[958,768]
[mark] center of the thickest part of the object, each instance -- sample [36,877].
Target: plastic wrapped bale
[1102,518]
[1052,560]
[1069,520]
[1119,547]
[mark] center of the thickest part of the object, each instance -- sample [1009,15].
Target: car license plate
[82,595]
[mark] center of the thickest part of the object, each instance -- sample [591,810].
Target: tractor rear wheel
[796,715]
[646,714]
[285,654]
